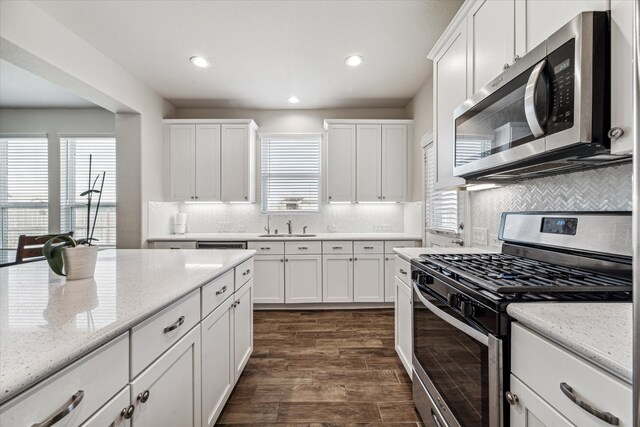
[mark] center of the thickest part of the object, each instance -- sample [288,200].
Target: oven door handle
[473,333]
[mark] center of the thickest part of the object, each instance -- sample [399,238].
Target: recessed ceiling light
[293,99]
[199,61]
[354,60]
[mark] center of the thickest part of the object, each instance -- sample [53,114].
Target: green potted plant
[76,258]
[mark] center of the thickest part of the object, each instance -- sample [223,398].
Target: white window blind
[290,173]
[24,190]
[74,179]
[442,207]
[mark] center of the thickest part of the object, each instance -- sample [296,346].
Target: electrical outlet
[386,227]
[242,228]
[480,236]
[377,227]
[494,241]
[332,228]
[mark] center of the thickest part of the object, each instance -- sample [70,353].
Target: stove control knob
[467,308]
[454,300]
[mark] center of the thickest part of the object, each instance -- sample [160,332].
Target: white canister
[79,262]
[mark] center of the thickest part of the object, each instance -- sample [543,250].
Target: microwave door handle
[529,99]
[461,326]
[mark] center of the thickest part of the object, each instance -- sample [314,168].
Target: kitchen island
[49,323]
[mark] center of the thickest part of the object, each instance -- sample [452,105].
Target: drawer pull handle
[127,413]
[302,247]
[337,247]
[402,271]
[63,411]
[222,291]
[143,397]
[607,417]
[368,247]
[436,420]
[177,324]
[265,249]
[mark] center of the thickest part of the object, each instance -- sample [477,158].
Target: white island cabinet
[174,347]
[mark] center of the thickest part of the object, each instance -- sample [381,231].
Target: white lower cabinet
[368,278]
[404,329]
[268,279]
[531,410]
[242,328]
[389,279]
[218,369]
[117,413]
[337,278]
[303,282]
[168,392]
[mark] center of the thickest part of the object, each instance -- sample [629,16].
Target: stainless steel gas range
[460,324]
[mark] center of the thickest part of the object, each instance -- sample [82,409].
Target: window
[442,208]
[290,174]
[74,179]
[24,190]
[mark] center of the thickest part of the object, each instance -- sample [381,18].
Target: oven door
[460,366]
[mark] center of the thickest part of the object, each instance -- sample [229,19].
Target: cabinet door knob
[329,197]
[127,412]
[512,399]
[143,397]
[615,133]
[246,198]
[505,66]
[222,291]
[191,197]
[516,58]
[196,197]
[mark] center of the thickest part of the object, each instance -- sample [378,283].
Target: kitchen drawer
[244,272]
[173,245]
[111,414]
[303,248]
[215,292]
[388,246]
[543,366]
[403,270]
[93,380]
[368,247]
[267,247]
[155,335]
[337,247]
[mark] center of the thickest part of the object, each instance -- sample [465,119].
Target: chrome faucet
[268,227]
[289,227]
[304,229]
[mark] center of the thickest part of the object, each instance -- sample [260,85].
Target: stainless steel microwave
[547,113]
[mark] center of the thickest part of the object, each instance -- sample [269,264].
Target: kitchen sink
[287,235]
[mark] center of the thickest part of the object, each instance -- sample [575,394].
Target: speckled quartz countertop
[599,332]
[408,253]
[190,237]
[47,323]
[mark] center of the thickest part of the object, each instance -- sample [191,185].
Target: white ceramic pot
[79,262]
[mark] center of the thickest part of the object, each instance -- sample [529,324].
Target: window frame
[439,197]
[292,137]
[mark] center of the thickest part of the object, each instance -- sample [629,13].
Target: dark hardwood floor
[322,368]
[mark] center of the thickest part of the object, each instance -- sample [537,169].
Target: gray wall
[421,109]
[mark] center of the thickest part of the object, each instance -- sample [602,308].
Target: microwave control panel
[561,72]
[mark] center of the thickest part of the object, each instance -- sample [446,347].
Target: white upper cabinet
[182,152]
[207,178]
[211,160]
[341,163]
[621,74]
[394,162]
[538,19]
[367,160]
[450,90]
[368,163]
[491,32]
[238,163]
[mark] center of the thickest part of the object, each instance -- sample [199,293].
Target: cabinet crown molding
[328,122]
[250,122]
[458,19]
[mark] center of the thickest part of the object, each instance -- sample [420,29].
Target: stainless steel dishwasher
[221,245]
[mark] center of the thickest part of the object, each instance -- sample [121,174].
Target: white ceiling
[21,89]
[262,52]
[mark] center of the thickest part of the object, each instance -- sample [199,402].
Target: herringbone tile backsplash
[604,189]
